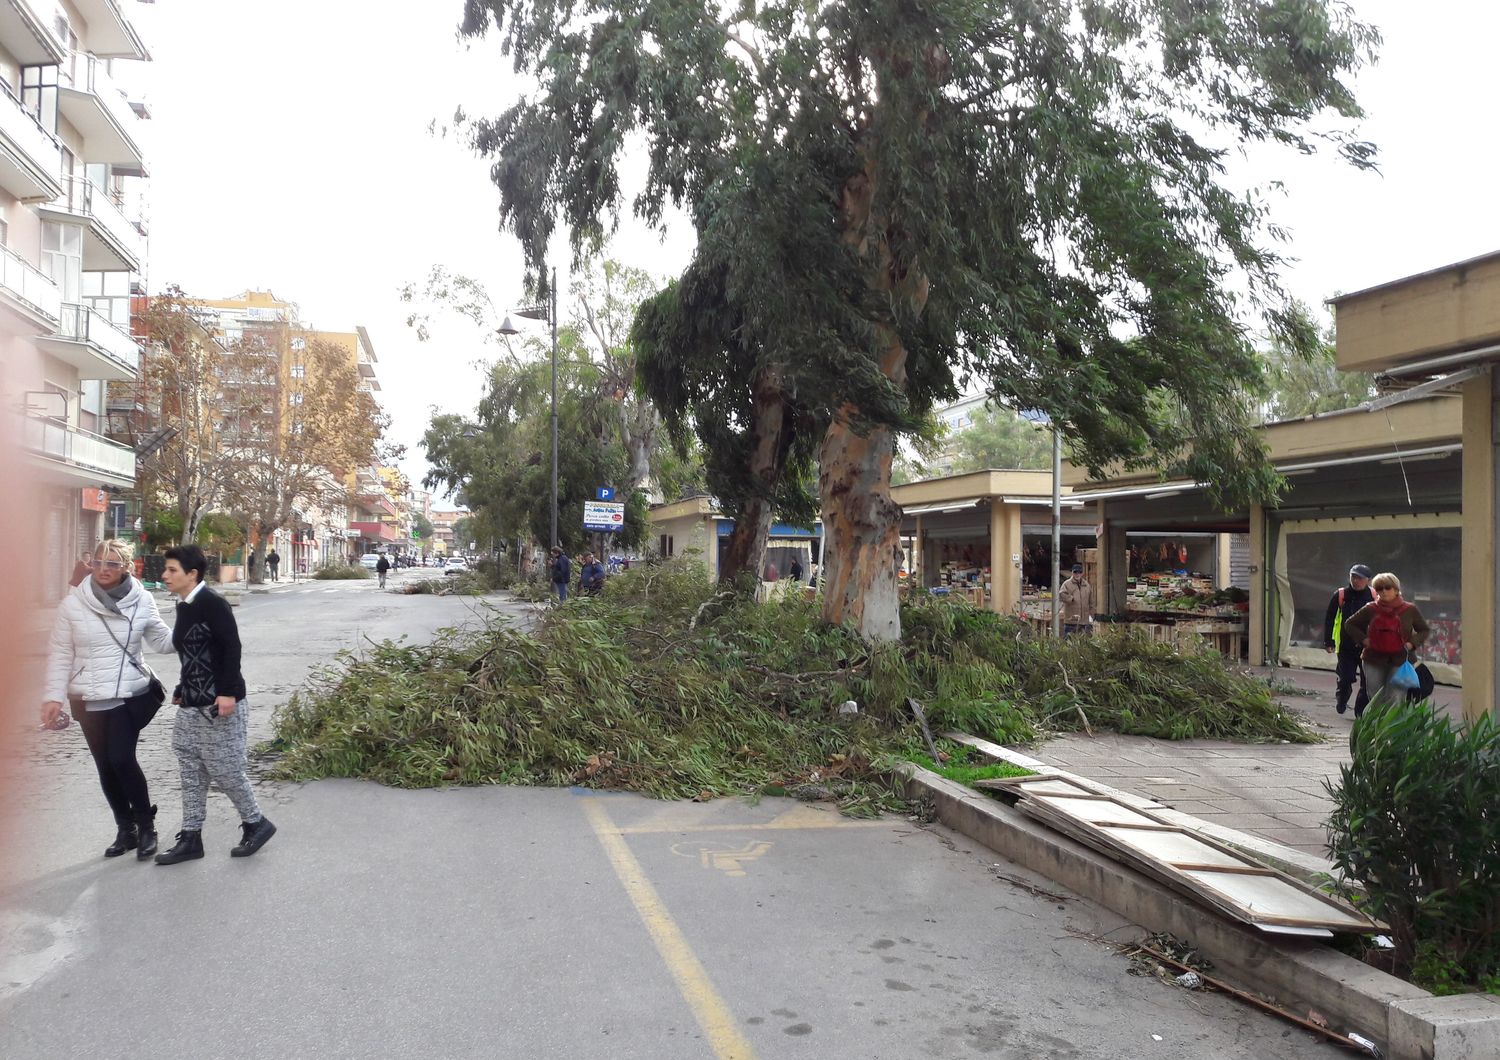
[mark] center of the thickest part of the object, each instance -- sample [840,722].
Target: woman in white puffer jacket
[95,659]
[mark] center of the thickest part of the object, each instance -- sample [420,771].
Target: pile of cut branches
[648,688]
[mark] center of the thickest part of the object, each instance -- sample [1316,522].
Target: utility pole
[1056,530]
[552,313]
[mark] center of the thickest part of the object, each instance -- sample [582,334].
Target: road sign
[604,493]
[603,515]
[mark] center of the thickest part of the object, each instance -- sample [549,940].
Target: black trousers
[112,736]
[1350,671]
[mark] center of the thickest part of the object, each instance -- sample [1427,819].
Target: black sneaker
[255,836]
[189,847]
[1341,707]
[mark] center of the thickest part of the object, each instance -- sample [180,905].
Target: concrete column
[1259,580]
[1480,599]
[1005,546]
[918,560]
[1114,569]
[1222,568]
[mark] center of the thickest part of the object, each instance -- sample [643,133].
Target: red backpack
[1385,634]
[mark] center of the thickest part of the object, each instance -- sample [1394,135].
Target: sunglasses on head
[106,564]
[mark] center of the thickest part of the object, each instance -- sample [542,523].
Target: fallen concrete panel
[1299,976]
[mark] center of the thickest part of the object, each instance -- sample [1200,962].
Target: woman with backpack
[1391,630]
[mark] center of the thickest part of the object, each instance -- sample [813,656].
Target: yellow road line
[692,980]
[771,826]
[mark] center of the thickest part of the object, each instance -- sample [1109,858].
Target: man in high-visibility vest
[1341,607]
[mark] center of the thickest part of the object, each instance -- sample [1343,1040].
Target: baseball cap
[1359,570]
[1077,568]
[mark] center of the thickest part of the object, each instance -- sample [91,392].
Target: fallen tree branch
[1076,705]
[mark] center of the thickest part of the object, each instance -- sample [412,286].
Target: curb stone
[1407,1021]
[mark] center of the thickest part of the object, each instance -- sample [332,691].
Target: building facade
[72,252]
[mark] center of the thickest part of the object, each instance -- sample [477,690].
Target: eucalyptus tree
[906,195]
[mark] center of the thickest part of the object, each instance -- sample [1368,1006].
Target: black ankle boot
[254,837]
[145,827]
[189,848]
[124,839]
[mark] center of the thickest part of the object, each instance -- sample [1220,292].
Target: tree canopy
[893,198]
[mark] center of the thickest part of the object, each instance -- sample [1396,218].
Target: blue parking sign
[604,493]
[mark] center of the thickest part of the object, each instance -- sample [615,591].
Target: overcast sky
[290,149]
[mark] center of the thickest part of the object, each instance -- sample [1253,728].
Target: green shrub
[340,572]
[1415,822]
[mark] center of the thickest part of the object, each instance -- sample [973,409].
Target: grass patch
[968,772]
[664,686]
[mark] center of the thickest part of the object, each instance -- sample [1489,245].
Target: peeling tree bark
[861,523]
[771,435]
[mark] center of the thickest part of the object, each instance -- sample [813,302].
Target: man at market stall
[1077,599]
[1342,606]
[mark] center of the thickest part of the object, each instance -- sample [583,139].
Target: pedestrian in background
[382,565]
[213,717]
[796,572]
[1076,597]
[561,570]
[591,576]
[273,564]
[250,567]
[95,657]
[1390,631]
[1342,606]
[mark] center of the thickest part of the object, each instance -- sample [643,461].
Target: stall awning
[952,506]
[1167,489]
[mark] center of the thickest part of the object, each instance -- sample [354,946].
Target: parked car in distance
[369,559]
[456,565]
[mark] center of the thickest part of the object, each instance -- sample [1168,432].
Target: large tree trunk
[861,531]
[861,524]
[770,442]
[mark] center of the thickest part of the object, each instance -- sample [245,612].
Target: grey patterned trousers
[212,750]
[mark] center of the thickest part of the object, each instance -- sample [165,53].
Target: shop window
[1426,558]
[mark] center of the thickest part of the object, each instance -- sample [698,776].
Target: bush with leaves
[668,685]
[1415,823]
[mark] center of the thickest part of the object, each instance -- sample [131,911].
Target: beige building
[73,253]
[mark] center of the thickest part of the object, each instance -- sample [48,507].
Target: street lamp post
[548,313]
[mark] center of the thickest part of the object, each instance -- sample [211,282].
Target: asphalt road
[512,922]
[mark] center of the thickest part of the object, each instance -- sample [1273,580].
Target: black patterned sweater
[207,640]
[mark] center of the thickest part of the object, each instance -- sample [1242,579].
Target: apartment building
[72,251]
[258,324]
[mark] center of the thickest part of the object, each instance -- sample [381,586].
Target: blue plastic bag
[1405,677]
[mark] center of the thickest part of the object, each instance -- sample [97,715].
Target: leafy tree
[293,437]
[501,462]
[756,436]
[1306,382]
[602,303]
[421,527]
[1000,438]
[891,196]
[178,384]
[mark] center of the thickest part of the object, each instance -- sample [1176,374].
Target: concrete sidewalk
[1274,791]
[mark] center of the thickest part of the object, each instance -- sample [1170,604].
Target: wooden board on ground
[1189,862]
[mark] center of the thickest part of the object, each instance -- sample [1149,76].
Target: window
[297,429]
[299,343]
[62,257]
[296,398]
[299,371]
[39,96]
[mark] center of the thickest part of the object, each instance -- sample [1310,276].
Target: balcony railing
[79,448]
[86,73]
[81,197]
[82,324]
[25,281]
[35,144]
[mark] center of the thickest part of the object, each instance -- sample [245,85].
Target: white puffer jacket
[92,647]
